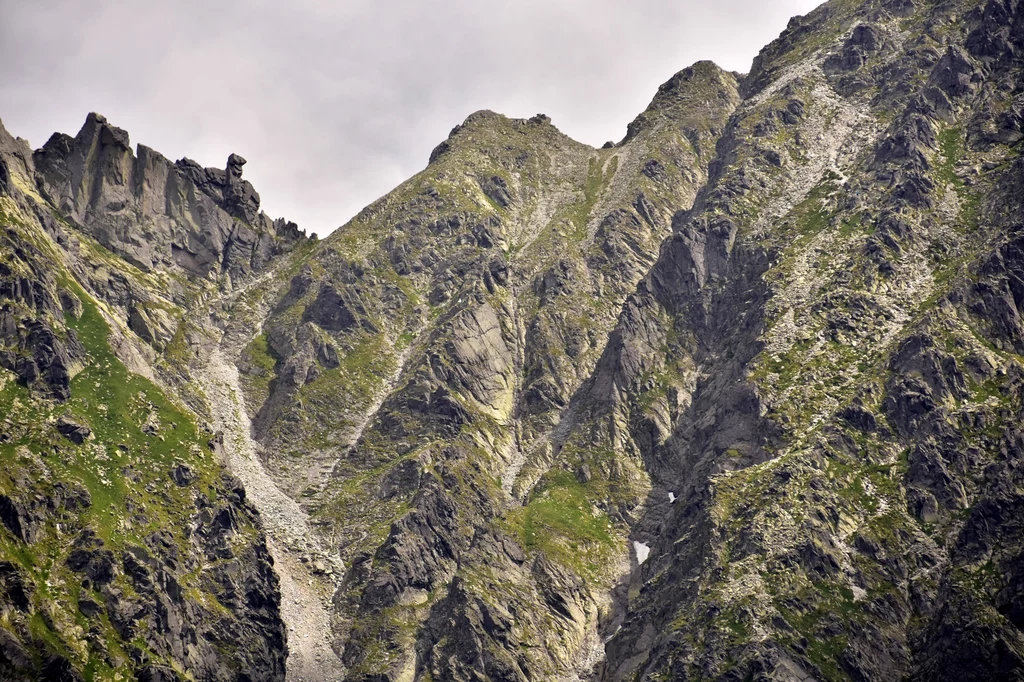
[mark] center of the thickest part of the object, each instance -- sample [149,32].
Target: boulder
[73,431]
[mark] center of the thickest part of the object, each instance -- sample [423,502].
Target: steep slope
[411,374]
[741,422]
[836,411]
[127,550]
[738,397]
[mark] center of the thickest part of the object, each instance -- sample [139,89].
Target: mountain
[739,397]
[128,550]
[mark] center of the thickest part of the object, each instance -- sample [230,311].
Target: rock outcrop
[127,549]
[155,213]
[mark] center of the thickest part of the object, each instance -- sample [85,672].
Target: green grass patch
[117,404]
[560,521]
[951,150]
[125,470]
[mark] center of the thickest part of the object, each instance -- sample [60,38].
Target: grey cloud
[334,103]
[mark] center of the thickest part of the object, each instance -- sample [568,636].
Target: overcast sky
[335,103]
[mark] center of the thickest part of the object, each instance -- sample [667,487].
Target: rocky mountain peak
[226,187]
[737,398]
[159,215]
[704,86]
[97,126]
[488,123]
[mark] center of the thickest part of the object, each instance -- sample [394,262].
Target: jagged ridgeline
[127,550]
[740,397]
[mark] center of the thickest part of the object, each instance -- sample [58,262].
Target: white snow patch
[642,551]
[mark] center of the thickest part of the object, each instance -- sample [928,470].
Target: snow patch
[642,551]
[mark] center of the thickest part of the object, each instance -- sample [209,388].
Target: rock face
[829,471]
[738,397]
[126,551]
[155,213]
